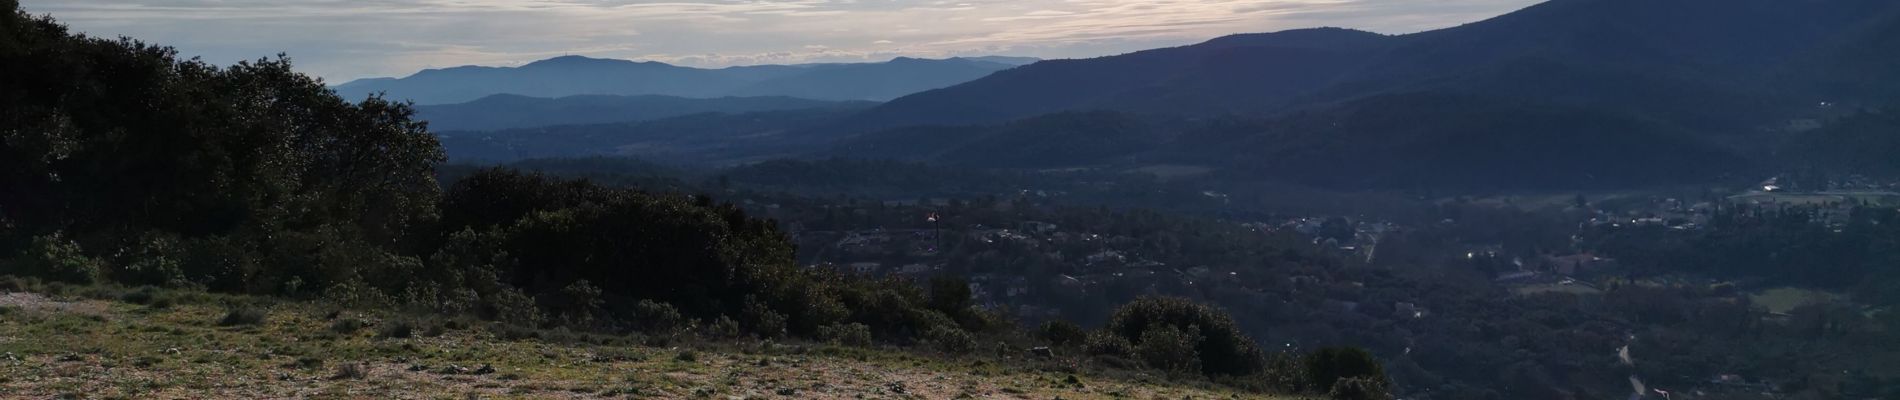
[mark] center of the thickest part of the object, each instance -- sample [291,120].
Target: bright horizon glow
[342,40]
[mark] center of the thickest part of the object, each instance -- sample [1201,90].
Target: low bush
[242,316]
[657,318]
[1329,366]
[10,283]
[1062,333]
[142,296]
[398,329]
[1358,388]
[351,371]
[56,259]
[762,320]
[511,332]
[346,325]
[306,362]
[853,334]
[950,340]
[1171,349]
[1108,344]
[723,328]
[1222,348]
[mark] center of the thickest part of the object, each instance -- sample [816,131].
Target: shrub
[162,302]
[10,283]
[950,295]
[155,261]
[1358,388]
[54,258]
[1108,344]
[1222,347]
[243,316]
[723,328]
[1329,366]
[1062,333]
[345,326]
[142,296]
[400,329]
[513,307]
[1285,372]
[578,303]
[657,318]
[1170,349]
[763,321]
[950,340]
[306,362]
[351,371]
[853,334]
[513,332]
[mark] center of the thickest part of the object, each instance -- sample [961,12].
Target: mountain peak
[1309,37]
[580,61]
[1018,61]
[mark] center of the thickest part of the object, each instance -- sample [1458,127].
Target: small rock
[485,369]
[418,368]
[787,392]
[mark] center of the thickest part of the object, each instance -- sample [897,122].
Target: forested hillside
[502,111]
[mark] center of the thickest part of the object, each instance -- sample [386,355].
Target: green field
[1556,288]
[1783,300]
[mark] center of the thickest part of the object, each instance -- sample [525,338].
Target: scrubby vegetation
[67,341]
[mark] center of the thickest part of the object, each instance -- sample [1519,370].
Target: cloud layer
[347,39]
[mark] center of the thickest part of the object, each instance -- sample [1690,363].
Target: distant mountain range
[508,111]
[1567,94]
[576,75]
[1564,94]
[1690,61]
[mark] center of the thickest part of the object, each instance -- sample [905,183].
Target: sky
[341,40]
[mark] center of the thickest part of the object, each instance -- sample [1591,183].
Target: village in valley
[1024,255]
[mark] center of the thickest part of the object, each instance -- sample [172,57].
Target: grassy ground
[1556,288]
[1782,300]
[60,347]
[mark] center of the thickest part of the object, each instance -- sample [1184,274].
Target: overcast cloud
[348,39]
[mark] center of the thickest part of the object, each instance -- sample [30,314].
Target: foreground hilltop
[187,345]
